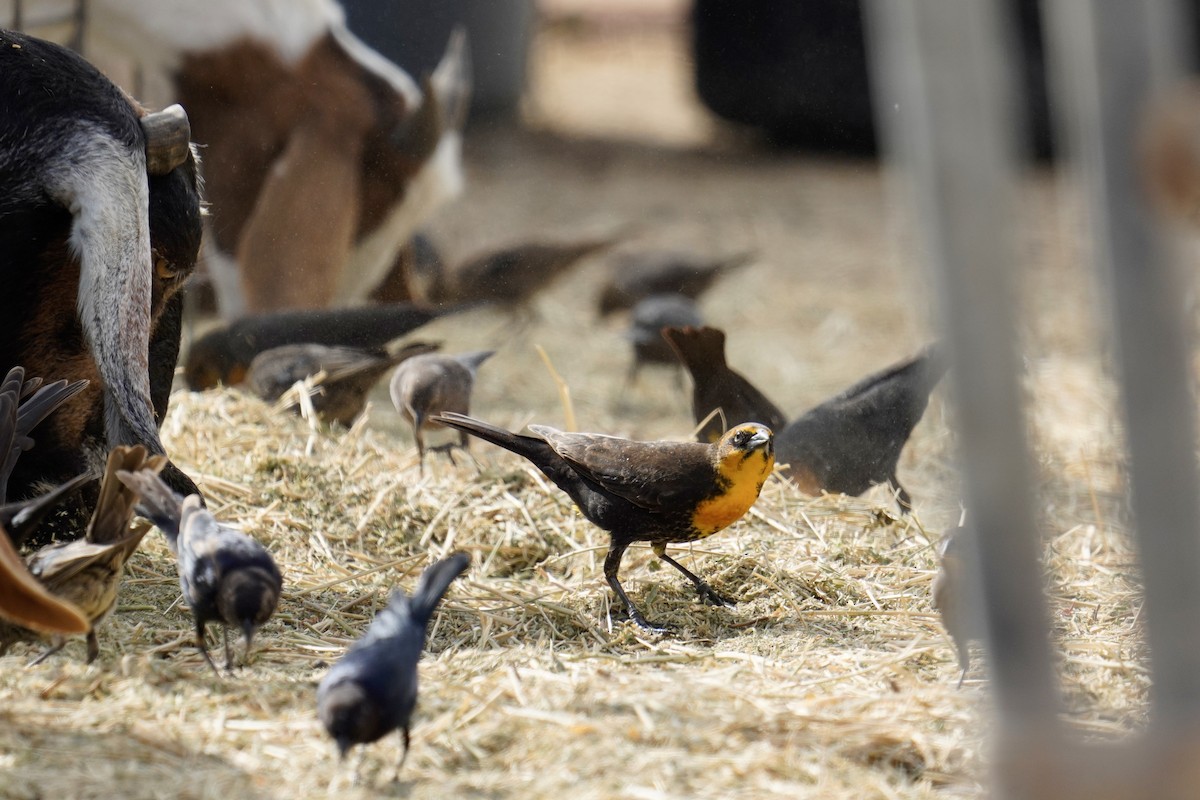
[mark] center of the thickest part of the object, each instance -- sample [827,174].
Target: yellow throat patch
[741,476]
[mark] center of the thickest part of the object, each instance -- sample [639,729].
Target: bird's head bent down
[247,599]
[742,460]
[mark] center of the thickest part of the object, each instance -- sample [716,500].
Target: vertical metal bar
[1109,51]
[946,106]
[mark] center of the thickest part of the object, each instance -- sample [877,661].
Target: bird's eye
[164,270]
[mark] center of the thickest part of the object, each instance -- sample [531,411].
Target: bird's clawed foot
[635,616]
[712,596]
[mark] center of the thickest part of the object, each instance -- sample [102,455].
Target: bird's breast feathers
[740,477]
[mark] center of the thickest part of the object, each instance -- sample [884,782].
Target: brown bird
[349,375]
[853,440]
[657,492]
[223,356]
[428,384]
[511,276]
[650,316]
[717,387]
[25,602]
[87,571]
[636,276]
[953,598]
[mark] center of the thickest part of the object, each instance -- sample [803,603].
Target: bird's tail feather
[702,350]
[434,582]
[159,503]
[526,446]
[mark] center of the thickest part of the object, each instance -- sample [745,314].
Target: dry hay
[831,678]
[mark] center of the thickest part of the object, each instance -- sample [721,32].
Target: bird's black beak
[343,745]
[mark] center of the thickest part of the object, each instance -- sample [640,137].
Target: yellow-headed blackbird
[657,492]
[646,323]
[511,276]
[953,597]
[87,572]
[223,356]
[717,387]
[225,575]
[350,374]
[372,690]
[640,274]
[853,440]
[429,384]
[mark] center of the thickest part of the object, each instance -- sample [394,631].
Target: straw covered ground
[831,678]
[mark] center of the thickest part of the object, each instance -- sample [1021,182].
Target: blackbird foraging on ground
[952,596]
[428,384]
[717,387]
[87,572]
[511,276]
[639,275]
[372,690]
[657,492]
[226,576]
[223,356]
[847,444]
[853,440]
[350,374]
[649,317]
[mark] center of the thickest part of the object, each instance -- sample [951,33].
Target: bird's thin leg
[612,563]
[228,651]
[902,496]
[93,646]
[403,753]
[961,678]
[706,592]
[203,648]
[59,644]
[420,446]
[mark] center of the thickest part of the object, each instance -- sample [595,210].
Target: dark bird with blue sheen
[372,690]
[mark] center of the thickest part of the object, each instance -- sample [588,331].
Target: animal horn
[168,134]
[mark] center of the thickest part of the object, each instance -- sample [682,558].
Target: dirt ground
[831,678]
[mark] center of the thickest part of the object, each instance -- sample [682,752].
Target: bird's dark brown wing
[657,476]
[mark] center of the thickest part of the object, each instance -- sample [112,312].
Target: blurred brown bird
[87,571]
[853,440]
[223,356]
[650,316]
[657,492]
[847,444]
[717,387]
[511,276]
[349,375]
[638,275]
[953,597]
[429,384]
[25,602]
